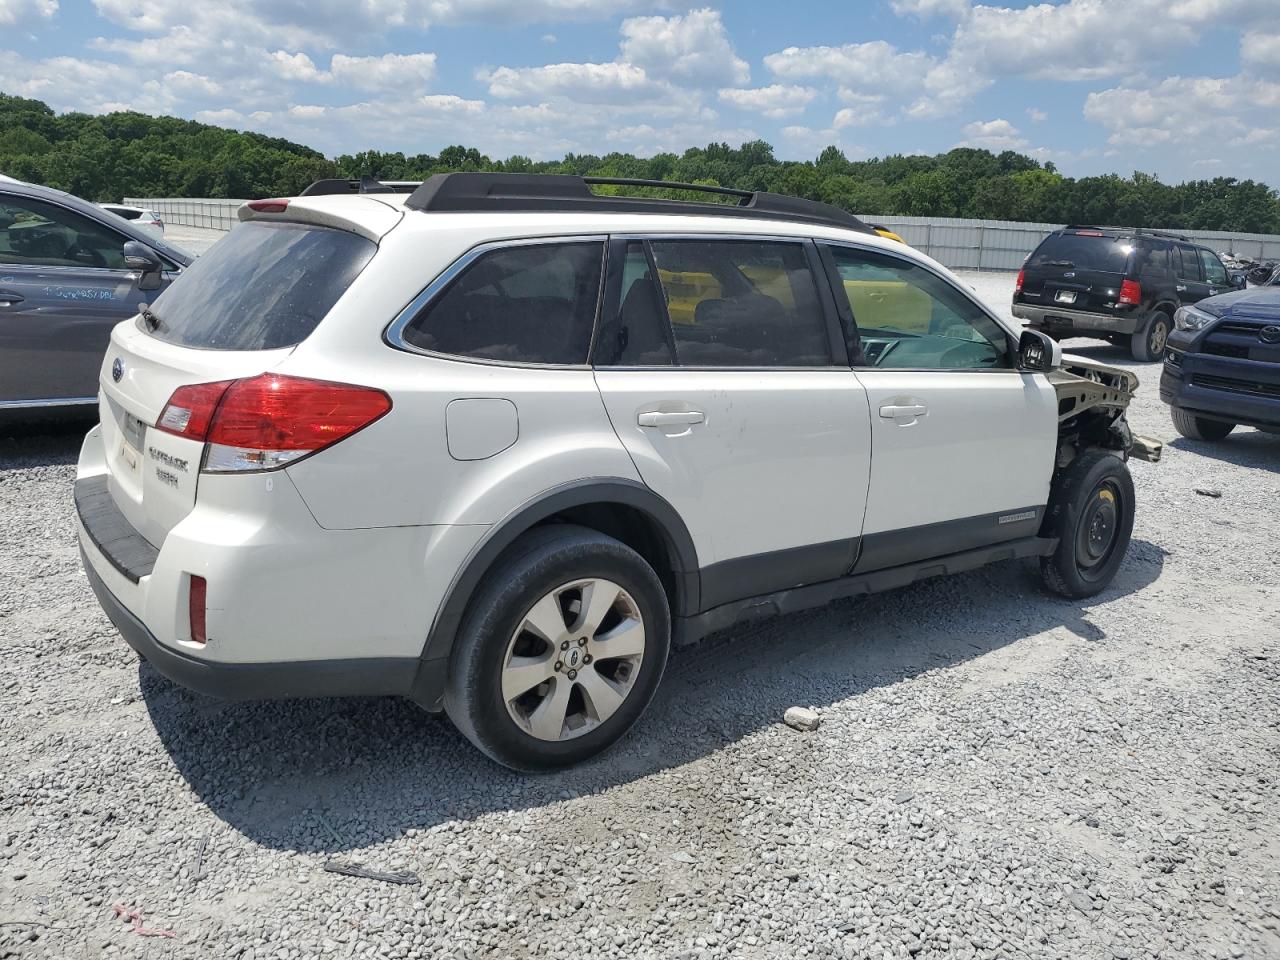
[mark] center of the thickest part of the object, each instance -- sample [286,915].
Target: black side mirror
[1038,352]
[1239,280]
[138,256]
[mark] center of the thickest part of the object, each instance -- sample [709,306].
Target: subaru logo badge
[1068,276]
[117,369]
[1270,334]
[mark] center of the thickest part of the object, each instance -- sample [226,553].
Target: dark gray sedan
[69,272]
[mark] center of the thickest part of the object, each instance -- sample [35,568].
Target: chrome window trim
[393,335]
[60,402]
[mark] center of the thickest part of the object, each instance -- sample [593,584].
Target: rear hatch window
[1077,271]
[262,287]
[1078,251]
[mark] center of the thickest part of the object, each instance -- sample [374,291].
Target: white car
[147,219]
[496,444]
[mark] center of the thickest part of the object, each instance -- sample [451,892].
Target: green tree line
[115,155]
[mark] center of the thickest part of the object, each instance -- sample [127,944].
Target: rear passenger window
[1190,264]
[530,303]
[741,303]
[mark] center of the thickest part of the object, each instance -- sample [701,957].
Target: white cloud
[294,66]
[1039,116]
[13,12]
[1261,49]
[857,67]
[930,8]
[777,100]
[587,82]
[993,135]
[860,116]
[186,84]
[1186,111]
[406,73]
[693,48]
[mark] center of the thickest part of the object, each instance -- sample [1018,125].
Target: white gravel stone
[801,718]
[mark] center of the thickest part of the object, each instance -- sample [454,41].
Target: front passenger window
[909,317]
[39,234]
[1214,271]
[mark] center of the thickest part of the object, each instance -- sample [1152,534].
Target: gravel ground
[997,773]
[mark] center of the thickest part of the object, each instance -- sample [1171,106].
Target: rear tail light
[1130,292]
[1017,284]
[269,421]
[198,591]
[269,206]
[190,409]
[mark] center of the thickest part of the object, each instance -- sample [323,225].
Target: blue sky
[1180,88]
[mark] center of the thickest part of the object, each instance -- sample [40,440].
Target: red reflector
[190,409]
[276,412]
[198,592]
[269,206]
[1017,284]
[1130,292]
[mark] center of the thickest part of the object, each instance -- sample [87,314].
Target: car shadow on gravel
[333,775]
[1243,448]
[47,443]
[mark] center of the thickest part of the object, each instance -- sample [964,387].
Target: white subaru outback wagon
[496,443]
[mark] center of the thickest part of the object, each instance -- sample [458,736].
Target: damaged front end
[1092,400]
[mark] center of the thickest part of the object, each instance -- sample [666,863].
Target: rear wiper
[149,317]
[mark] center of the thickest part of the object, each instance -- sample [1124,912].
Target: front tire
[1091,514]
[1198,428]
[1148,342]
[560,651]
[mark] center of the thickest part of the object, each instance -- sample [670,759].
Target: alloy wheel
[573,660]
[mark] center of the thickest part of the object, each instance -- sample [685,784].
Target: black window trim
[1195,250]
[393,335]
[854,337]
[613,290]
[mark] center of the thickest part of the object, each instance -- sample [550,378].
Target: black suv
[1222,366]
[1120,285]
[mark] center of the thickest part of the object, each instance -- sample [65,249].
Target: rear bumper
[1054,320]
[386,676]
[1223,388]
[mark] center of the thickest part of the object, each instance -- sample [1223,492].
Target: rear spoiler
[372,219]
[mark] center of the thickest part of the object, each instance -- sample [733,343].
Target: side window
[528,303]
[1190,264]
[1214,271]
[909,317]
[40,234]
[742,303]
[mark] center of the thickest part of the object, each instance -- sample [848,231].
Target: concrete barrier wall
[960,244]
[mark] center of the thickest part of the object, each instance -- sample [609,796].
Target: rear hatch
[1077,270]
[236,312]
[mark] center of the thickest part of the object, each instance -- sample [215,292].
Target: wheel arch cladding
[623,509]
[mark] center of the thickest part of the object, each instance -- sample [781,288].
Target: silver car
[69,272]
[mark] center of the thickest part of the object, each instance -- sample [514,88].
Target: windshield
[1074,251]
[264,286]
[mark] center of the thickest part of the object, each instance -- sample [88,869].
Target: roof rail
[1140,231]
[1165,235]
[325,188]
[545,192]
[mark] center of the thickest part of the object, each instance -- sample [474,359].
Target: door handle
[8,298]
[892,411]
[659,419]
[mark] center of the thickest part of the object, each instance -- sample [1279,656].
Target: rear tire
[1091,514]
[1198,428]
[1148,342]
[533,680]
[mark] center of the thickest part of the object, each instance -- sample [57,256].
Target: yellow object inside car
[890,305]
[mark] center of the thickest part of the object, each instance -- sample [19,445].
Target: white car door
[963,444]
[720,365]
